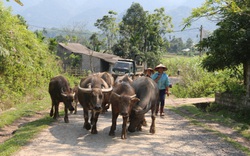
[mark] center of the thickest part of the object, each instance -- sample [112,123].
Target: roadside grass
[34,101]
[217,114]
[23,135]
[27,107]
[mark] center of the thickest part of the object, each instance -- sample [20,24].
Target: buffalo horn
[105,90]
[132,96]
[86,90]
[62,93]
[117,95]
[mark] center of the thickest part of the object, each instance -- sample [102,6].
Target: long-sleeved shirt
[163,82]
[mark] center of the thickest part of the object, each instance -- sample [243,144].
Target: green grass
[24,135]
[25,108]
[30,104]
[217,114]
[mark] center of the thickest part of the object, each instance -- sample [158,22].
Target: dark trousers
[162,97]
[161,101]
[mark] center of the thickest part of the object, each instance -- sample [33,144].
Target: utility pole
[201,29]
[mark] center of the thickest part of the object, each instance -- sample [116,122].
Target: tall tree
[132,28]
[176,45]
[109,28]
[228,45]
[189,43]
[95,43]
[157,25]
[144,32]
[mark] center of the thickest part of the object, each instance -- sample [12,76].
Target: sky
[61,13]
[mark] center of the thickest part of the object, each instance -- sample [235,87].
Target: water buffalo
[90,96]
[108,78]
[146,90]
[75,100]
[60,91]
[122,99]
[123,78]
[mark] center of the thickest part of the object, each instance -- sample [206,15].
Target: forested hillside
[26,64]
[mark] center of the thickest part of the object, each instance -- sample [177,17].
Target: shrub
[197,82]
[26,63]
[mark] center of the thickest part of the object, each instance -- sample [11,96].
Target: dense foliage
[25,60]
[140,33]
[197,82]
[227,47]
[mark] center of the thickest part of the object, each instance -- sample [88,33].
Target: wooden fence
[76,72]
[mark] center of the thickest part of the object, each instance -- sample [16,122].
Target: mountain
[60,14]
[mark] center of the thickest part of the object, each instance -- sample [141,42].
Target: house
[90,60]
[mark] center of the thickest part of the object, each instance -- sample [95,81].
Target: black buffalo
[90,96]
[60,91]
[75,100]
[123,78]
[146,90]
[108,78]
[122,99]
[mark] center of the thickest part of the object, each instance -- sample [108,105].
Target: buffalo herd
[131,99]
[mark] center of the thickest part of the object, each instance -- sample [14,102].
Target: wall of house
[89,62]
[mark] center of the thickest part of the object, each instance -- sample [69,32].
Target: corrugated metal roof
[78,48]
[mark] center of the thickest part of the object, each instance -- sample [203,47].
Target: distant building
[90,60]
[185,50]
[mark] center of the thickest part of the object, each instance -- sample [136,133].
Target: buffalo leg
[92,117]
[152,127]
[95,119]
[66,119]
[86,125]
[124,128]
[139,126]
[113,126]
[56,114]
[75,107]
[52,109]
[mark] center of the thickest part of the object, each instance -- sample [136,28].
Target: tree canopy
[109,28]
[142,34]
[228,46]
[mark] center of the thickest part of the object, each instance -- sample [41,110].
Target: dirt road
[174,136]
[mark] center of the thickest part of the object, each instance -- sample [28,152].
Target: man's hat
[161,66]
[149,69]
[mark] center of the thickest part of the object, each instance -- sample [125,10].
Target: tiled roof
[78,48]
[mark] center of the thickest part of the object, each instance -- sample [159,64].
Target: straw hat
[149,69]
[161,66]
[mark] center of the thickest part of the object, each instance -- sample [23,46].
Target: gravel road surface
[174,136]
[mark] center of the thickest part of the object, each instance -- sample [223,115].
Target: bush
[26,64]
[197,82]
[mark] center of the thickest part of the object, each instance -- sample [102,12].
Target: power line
[185,30]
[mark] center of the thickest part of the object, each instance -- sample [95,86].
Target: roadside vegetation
[26,63]
[23,135]
[198,82]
